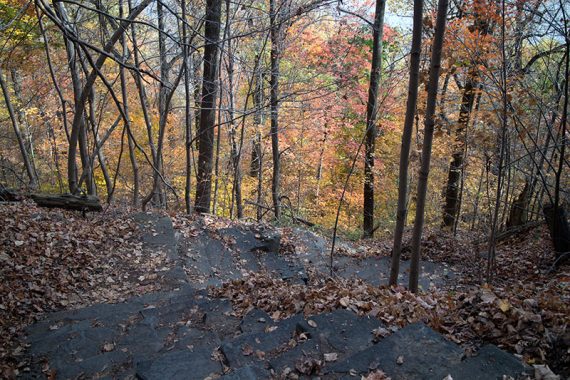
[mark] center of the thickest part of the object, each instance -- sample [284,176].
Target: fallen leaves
[330,357]
[247,350]
[309,366]
[281,299]
[54,259]
[108,347]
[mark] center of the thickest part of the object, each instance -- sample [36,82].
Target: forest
[390,126]
[286,108]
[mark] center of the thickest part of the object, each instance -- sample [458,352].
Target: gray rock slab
[340,332]
[95,366]
[248,373]
[311,348]
[491,363]
[374,270]
[285,268]
[424,352]
[247,240]
[183,365]
[190,338]
[255,320]
[100,312]
[241,350]
[158,234]
[208,261]
[143,339]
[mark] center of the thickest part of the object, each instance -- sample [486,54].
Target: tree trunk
[371,118]
[217,150]
[502,149]
[125,99]
[235,154]
[15,125]
[560,230]
[157,194]
[98,146]
[407,140]
[187,67]
[258,122]
[68,202]
[276,35]
[28,138]
[557,222]
[429,124]
[90,81]
[141,90]
[452,200]
[207,109]
[519,208]
[319,174]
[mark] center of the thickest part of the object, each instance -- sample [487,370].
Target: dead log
[69,202]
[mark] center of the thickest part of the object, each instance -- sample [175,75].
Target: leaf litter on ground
[52,260]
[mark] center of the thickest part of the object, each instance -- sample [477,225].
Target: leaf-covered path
[180,297]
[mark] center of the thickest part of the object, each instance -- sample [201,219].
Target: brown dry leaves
[53,259]
[396,307]
[527,311]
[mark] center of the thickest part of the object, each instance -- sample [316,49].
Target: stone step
[339,334]
[415,352]
[256,347]
[184,364]
[157,233]
[490,363]
[248,373]
[212,258]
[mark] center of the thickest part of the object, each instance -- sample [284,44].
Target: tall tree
[276,30]
[187,67]
[208,104]
[77,125]
[407,139]
[452,204]
[17,132]
[125,99]
[429,124]
[372,117]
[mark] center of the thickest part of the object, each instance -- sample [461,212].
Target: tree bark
[407,140]
[90,81]
[99,147]
[276,36]
[452,199]
[69,202]
[255,166]
[371,118]
[187,67]
[235,152]
[125,99]
[28,138]
[429,124]
[17,132]
[208,111]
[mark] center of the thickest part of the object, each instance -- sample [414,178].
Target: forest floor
[178,284]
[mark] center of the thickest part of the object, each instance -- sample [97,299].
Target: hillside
[57,263]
